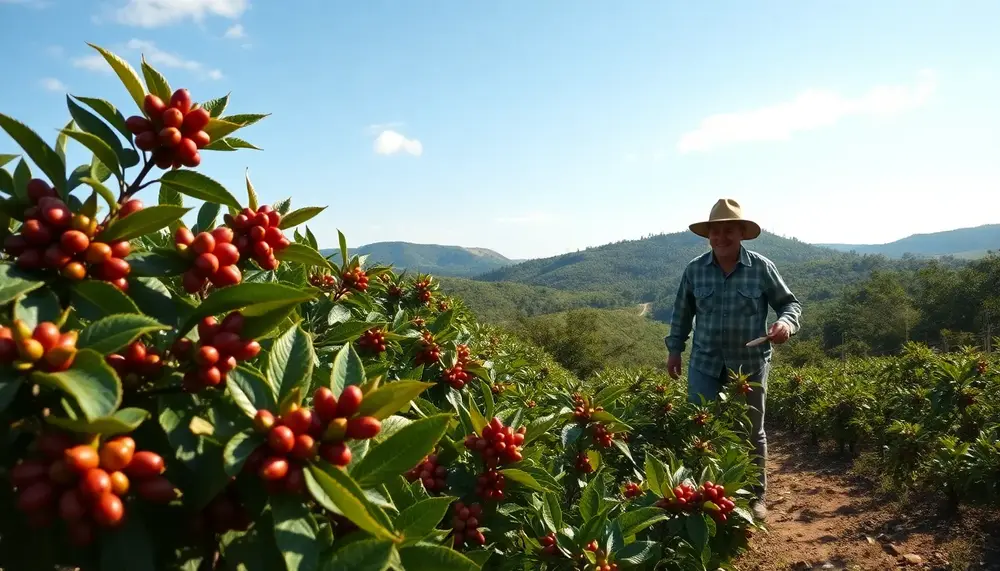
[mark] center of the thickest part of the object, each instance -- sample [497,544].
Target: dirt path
[821,518]
[645,308]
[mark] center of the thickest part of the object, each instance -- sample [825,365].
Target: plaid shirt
[729,311]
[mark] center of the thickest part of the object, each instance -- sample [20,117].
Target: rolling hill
[966,243]
[435,259]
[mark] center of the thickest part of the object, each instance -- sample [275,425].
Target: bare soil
[823,516]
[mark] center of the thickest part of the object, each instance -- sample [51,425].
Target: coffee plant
[931,421]
[221,396]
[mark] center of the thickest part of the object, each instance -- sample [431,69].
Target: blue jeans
[709,386]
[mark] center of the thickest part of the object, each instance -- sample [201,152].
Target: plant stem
[135,186]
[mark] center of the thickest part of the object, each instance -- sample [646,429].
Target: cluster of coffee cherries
[258,235]
[498,388]
[981,367]
[173,132]
[660,389]
[688,499]
[531,404]
[583,409]
[456,376]
[701,418]
[45,347]
[430,351]
[422,287]
[301,434]
[51,237]
[743,387]
[137,364]
[323,281]
[223,514]
[602,558]
[668,407]
[465,525]
[632,490]
[490,485]
[602,437]
[549,546]
[497,444]
[701,446]
[583,463]
[213,258]
[431,473]
[354,279]
[218,351]
[84,485]
[373,340]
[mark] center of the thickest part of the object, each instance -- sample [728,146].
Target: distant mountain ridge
[961,243]
[442,260]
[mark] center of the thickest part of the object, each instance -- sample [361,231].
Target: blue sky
[540,127]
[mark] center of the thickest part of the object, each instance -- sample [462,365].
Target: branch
[135,186]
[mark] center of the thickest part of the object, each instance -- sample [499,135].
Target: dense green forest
[434,259]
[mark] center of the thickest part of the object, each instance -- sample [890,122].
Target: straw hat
[727,210]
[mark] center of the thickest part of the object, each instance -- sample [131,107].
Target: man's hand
[779,332]
[674,365]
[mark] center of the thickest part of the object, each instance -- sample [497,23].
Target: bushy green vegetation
[505,302]
[429,258]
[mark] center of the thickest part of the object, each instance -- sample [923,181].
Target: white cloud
[235,31]
[154,55]
[155,13]
[390,142]
[812,109]
[532,217]
[53,84]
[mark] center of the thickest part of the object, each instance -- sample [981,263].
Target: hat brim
[751,229]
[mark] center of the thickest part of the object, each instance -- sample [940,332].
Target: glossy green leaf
[634,521]
[104,192]
[391,398]
[207,215]
[155,82]
[245,296]
[37,149]
[401,451]
[420,519]
[304,255]
[245,119]
[290,362]
[96,145]
[142,222]
[15,282]
[238,450]
[113,332]
[435,558]
[335,490]
[348,331]
[90,381]
[299,216]
[8,389]
[90,123]
[294,533]
[552,512]
[129,547]
[197,185]
[523,478]
[263,323]
[251,194]
[638,555]
[362,555]
[697,530]
[123,421]
[109,113]
[6,158]
[62,140]
[343,247]
[217,106]
[22,174]
[159,262]
[218,128]
[250,391]
[94,299]
[126,74]
[347,370]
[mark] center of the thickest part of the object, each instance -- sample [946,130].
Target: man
[727,291]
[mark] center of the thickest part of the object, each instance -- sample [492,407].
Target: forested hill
[434,259]
[961,242]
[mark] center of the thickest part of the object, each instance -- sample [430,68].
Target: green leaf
[105,192]
[142,222]
[539,426]
[169,195]
[250,391]
[126,74]
[155,82]
[109,113]
[90,381]
[697,530]
[523,478]
[343,247]
[401,451]
[552,512]
[347,370]
[124,421]
[116,331]
[219,127]
[7,183]
[391,398]
[435,558]
[238,450]
[294,533]
[159,262]
[128,547]
[638,555]
[38,150]
[94,299]
[197,185]
[304,255]
[88,122]
[245,296]
[299,215]
[245,119]
[61,141]
[362,555]
[153,299]
[335,490]
[207,214]
[252,194]
[634,521]
[348,331]
[215,107]
[15,282]
[591,499]
[290,362]
[656,475]
[570,434]
[22,174]
[5,158]
[420,519]
[96,145]
[8,389]
[260,324]
[230,144]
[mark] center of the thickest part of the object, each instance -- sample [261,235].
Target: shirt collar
[744,257]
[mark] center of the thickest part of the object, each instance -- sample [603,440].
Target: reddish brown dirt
[821,517]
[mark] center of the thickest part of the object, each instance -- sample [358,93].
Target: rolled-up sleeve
[683,315]
[782,300]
